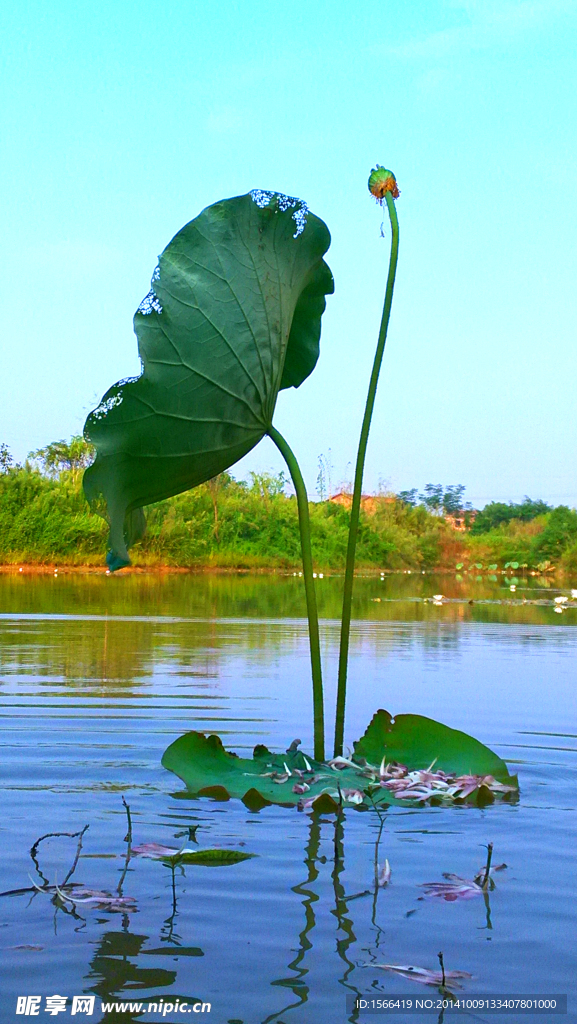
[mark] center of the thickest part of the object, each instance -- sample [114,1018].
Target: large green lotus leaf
[417,742]
[234,315]
[207,769]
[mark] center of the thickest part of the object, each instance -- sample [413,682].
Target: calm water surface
[98,675]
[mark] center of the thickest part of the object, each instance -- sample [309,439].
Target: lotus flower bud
[382,181]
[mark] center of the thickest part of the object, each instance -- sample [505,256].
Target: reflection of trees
[193,595]
[105,650]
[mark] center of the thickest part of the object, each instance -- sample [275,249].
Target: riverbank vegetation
[226,523]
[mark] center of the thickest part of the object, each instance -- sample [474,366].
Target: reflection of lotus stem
[312,613]
[356,505]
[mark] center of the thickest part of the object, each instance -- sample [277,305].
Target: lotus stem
[312,613]
[77,855]
[357,491]
[442,963]
[487,876]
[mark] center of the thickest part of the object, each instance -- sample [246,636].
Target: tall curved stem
[312,613]
[356,505]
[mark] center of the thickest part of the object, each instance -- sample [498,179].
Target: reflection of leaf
[290,779]
[417,742]
[421,974]
[233,317]
[119,975]
[173,951]
[121,944]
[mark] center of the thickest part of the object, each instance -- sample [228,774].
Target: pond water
[99,674]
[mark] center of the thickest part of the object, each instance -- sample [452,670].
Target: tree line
[253,523]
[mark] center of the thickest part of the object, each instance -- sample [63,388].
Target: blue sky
[123,120]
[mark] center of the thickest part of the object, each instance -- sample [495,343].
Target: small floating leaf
[213,858]
[210,858]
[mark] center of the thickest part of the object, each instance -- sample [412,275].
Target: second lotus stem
[388,196]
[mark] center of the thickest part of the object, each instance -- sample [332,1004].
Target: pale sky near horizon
[123,120]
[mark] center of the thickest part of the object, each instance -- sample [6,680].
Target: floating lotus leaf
[213,858]
[172,855]
[465,770]
[234,315]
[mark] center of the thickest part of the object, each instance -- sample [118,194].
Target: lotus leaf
[291,779]
[417,741]
[212,858]
[233,316]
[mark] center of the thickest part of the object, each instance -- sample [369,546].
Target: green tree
[498,512]
[61,456]
[268,485]
[6,460]
[559,534]
[453,500]
[432,498]
[408,497]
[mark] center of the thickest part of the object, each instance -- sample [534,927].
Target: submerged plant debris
[422,975]
[97,898]
[456,888]
[384,875]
